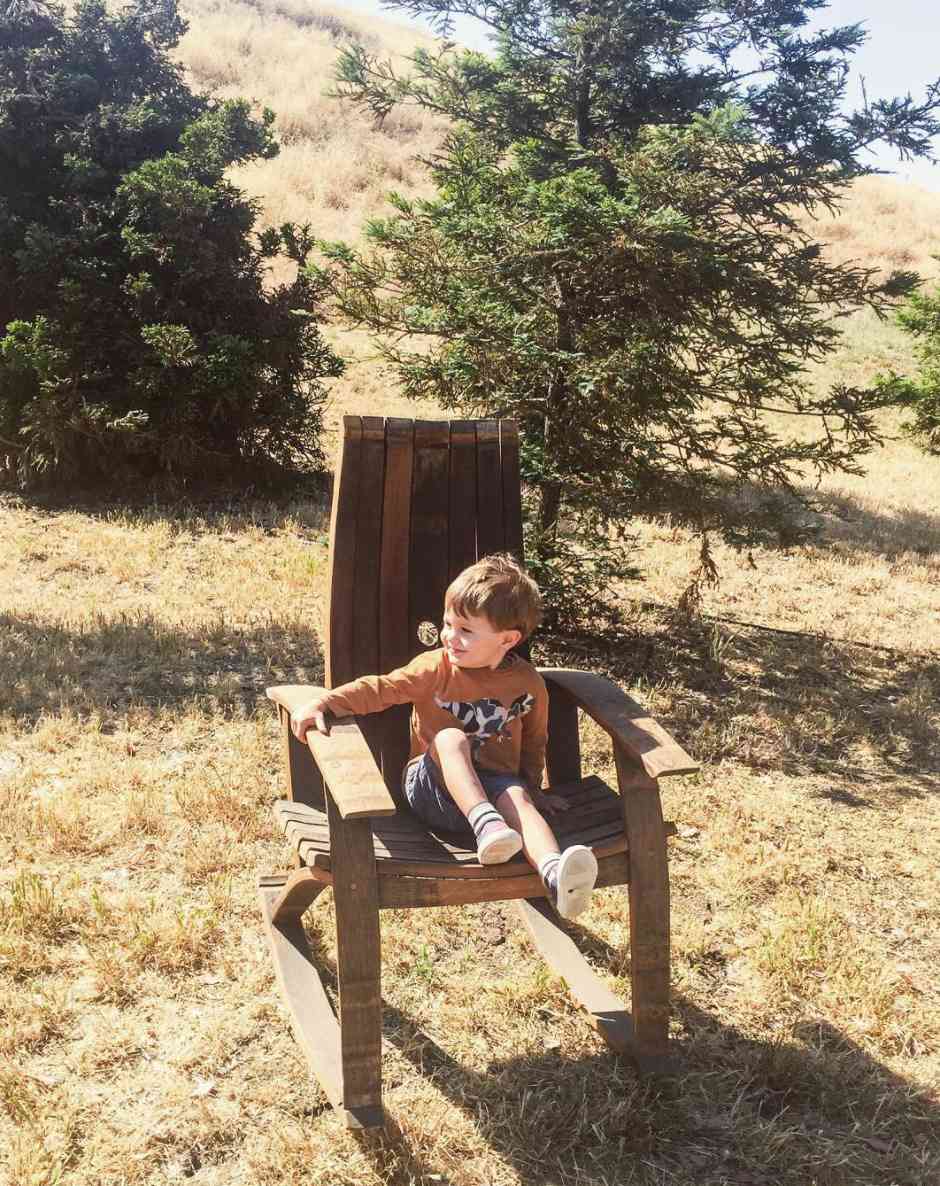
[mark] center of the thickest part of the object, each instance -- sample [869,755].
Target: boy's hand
[553,803]
[315,714]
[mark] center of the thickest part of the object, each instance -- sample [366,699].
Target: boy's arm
[534,740]
[370,693]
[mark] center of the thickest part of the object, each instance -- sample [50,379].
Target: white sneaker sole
[577,873]
[499,847]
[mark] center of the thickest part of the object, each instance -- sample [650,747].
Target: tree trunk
[553,423]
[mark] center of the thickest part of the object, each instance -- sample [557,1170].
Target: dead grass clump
[36,916]
[122,931]
[31,1018]
[64,821]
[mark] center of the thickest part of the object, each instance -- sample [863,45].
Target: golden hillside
[335,165]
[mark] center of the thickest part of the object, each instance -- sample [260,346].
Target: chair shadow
[113,664]
[809,1106]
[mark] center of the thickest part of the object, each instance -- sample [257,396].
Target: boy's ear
[512,638]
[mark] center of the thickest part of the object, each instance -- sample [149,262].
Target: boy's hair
[497,588]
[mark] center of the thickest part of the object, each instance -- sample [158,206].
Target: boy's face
[473,642]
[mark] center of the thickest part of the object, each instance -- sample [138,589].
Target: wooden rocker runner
[414,504]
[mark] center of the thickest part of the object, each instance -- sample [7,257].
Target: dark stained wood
[429,527]
[462,533]
[649,910]
[563,751]
[490,535]
[626,721]
[395,647]
[304,780]
[512,487]
[402,846]
[365,631]
[394,641]
[368,547]
[299,892]
[340,660]
[607,1012]
[414,503]
[358,964]
[413,892]
[343,757]
[417,856]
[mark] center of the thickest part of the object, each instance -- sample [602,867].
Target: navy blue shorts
[430,800]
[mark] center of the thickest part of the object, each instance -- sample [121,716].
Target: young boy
[478,729]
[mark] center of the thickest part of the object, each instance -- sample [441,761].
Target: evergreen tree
[615,257]
[920,317]
[140,338]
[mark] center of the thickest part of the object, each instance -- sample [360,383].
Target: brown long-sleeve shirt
[504,711]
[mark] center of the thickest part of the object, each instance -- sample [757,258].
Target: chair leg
[358,959]
[649,915]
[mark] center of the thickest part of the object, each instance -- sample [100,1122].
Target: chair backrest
[414,502]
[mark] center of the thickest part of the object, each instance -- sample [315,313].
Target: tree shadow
[851,526]
[301,506]
[111,665]
[865,719]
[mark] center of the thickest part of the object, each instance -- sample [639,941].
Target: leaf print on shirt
[483,719]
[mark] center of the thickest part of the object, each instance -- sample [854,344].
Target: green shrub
[140,338]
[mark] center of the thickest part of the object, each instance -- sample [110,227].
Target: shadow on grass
[864,719]
[301,505]
[114,664]
[811,1106]
[854,527]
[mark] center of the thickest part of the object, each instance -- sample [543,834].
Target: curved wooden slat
[607,1012]
[399,893]
[490,532]
[365,609]
[312,1018]
[624,719]
[463,497]
[429,527]
[394,579]
[344,523]
[512,487]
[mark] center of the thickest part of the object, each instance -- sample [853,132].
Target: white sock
[548,870]
[481,815]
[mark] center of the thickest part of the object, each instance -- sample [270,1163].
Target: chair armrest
[354,781]
[624,719]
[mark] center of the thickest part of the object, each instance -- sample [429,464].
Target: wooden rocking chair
[414,503]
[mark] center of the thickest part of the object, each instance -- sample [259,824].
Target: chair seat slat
[404,847]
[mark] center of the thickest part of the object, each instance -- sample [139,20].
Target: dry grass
[142,1040]
[141,1036]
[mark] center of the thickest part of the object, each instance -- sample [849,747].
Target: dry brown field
[142,1039]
